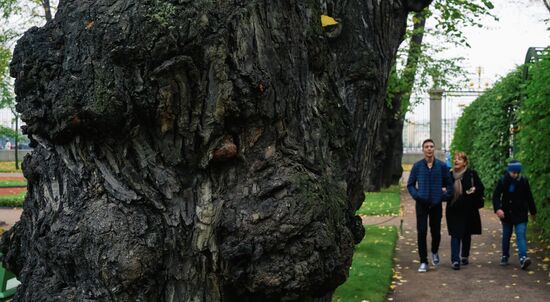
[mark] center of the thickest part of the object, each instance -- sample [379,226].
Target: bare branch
[546,4]
[47,10]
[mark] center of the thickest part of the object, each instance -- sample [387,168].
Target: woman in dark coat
[462,212]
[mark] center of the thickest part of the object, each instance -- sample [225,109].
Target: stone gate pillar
[436,94]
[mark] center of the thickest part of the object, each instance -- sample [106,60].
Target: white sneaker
[423,268]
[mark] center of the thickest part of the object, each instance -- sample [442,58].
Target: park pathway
[482,280]
[8,215]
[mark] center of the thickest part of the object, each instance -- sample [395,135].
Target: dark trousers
[425,214]
[455,247]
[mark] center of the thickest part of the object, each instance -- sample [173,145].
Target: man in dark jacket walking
[429,184]
[512,199]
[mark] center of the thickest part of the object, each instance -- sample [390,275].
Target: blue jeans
[521,240]
[466,241]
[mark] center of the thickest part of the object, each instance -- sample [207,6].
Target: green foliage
[15,200]
[418,66]
[533,139]
[456,14]
[372,270]
[5,57]
[13,183]
[15,17]
[464,132]
[8,7]
[10,133]
[385,202]
[483,131]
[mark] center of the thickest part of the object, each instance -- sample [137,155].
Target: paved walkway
[9,216]
[11,174]
[482,280]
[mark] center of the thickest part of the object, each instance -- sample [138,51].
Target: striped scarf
[457,175]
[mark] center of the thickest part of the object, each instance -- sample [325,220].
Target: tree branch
[413,54]
[47,10]
[417,5]
[546,4]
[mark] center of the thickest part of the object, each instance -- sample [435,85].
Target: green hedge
[464,132]
[15,200]
[533,139]
[483,131]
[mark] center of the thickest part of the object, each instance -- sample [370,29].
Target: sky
[499,47]
[502,45]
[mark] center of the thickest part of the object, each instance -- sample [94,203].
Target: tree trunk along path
[198,150]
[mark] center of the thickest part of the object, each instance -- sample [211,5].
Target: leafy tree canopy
[418,64]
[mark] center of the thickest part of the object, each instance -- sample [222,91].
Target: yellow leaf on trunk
[328,21]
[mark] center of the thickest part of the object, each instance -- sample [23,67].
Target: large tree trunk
[389,148]
[198,150]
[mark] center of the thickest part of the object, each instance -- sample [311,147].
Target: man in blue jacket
[429,184]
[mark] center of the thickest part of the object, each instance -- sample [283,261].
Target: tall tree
[198,150]
[420,67]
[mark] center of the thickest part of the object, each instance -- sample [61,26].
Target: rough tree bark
[389,147]
[197,150]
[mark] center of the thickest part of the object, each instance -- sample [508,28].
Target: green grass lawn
[15,200]
[13,183]
[386,202]
[371,273]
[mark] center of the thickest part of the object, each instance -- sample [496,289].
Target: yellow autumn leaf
[328,21]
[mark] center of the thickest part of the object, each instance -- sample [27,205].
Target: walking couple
[431,183]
